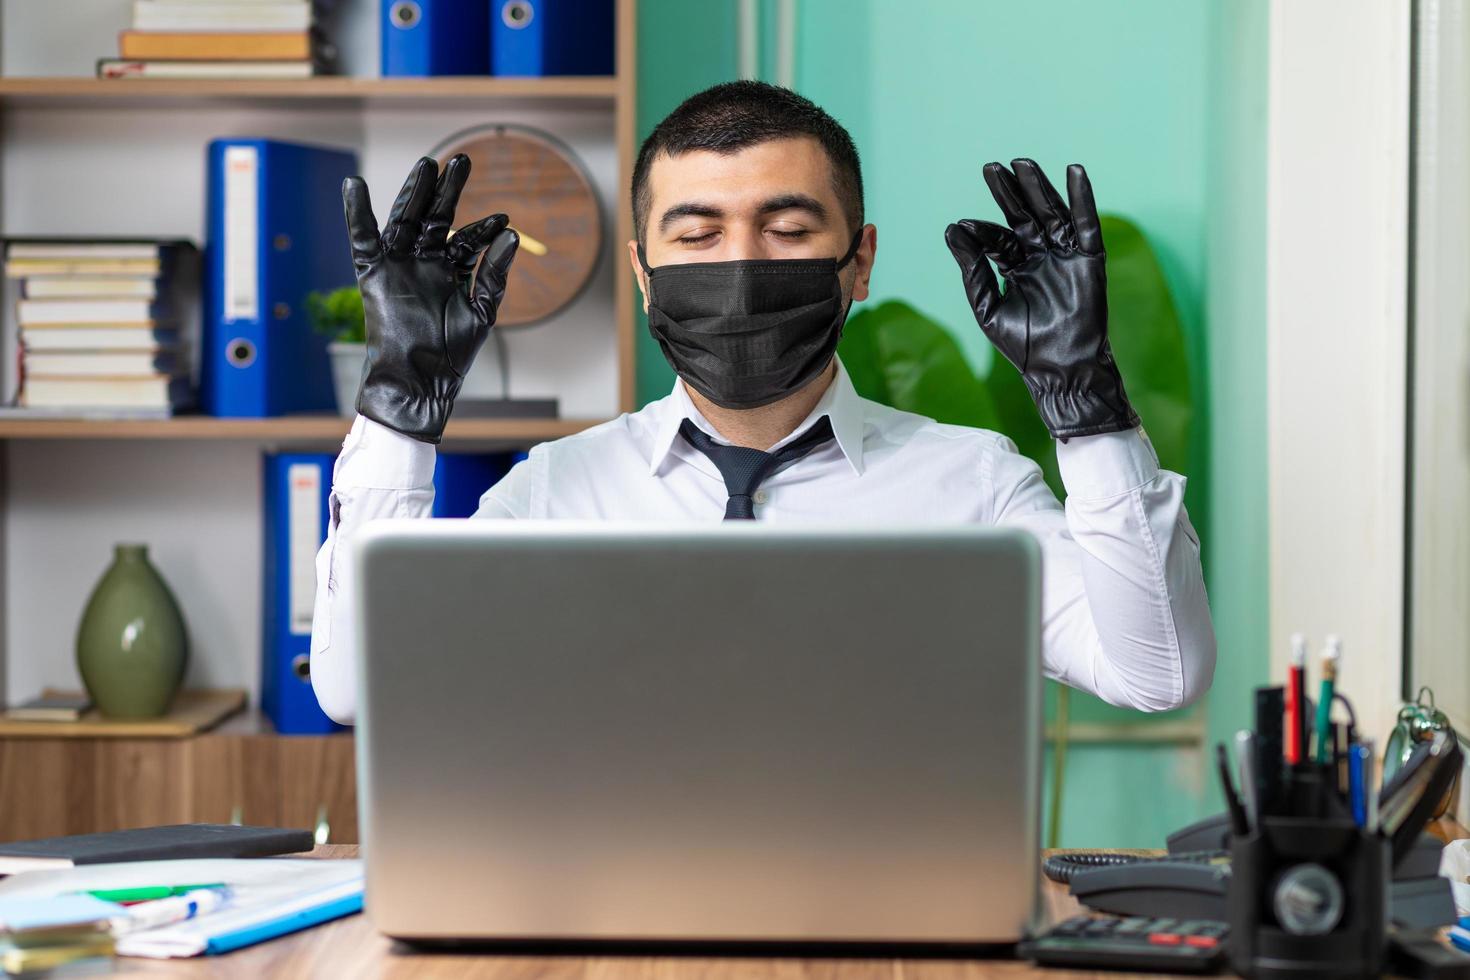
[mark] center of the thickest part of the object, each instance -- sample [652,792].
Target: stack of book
[216,39]
[100,325]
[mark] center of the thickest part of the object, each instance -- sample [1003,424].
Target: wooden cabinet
[55,786]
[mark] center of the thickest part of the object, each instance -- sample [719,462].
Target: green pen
[146,893]
[1330,657]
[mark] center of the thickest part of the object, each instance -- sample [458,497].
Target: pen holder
[1307,893]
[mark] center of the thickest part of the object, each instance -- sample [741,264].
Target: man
[751,245]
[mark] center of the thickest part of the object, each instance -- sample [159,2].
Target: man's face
[773,200]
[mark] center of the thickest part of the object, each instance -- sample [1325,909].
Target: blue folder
[276,233]
[295,492]
[434,37]
[461,478]
[551,37]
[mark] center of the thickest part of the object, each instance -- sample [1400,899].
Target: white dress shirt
[1125,614]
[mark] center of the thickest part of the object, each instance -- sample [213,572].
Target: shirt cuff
[376,457]
[1106,465]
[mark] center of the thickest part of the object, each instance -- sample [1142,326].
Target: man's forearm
[1141,571]
[379,473]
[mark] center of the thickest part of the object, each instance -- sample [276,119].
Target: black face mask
[748,333]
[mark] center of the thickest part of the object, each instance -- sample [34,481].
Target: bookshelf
[283,429]
[124,157]
[63,92]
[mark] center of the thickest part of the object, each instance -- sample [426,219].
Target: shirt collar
[840,402]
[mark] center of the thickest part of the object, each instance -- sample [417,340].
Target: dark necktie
[744,469]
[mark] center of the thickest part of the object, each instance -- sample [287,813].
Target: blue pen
[1460,938]
[1357,788]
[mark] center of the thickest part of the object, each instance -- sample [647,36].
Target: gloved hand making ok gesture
[1052,320]
[427,311]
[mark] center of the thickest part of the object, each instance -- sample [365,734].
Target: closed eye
[789,235]
[696,239]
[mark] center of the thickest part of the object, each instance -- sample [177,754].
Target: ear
[638,272]
[862,261]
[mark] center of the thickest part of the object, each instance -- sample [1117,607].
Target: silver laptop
[730,734]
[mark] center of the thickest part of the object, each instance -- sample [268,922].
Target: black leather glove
[1052,320]
[427,312]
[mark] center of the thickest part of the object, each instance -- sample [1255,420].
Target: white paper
[264,889]
[239,873]
[191,937]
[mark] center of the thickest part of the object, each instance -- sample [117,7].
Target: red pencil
[1296,686]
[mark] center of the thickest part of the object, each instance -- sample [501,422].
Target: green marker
[1330,657]
[147,893]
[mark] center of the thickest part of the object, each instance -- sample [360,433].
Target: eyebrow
[688,209]
[771,205]
[794,202]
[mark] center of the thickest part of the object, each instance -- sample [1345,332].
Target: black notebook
[186,840]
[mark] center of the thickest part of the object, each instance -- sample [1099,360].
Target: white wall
[1337,259]
[1440,487]
[125,170]
[196,505]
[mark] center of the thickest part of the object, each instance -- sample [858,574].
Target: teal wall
[1164,102]
[1235,313]
[683,47]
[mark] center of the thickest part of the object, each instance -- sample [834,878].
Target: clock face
[537,181]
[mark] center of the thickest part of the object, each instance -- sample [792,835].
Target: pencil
[1296,696]
[1330,657]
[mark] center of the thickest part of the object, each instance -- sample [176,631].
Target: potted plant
[338,314]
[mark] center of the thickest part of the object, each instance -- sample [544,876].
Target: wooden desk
[350,947]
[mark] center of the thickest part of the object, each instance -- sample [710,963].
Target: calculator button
[1201,942]
[1164,939]
[1129,927]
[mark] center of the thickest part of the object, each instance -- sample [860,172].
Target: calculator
[1133,943]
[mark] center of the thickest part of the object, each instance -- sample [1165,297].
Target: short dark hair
[734,115]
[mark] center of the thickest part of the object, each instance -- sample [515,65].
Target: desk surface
[350,947]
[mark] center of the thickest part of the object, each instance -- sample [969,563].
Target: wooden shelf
[158,92]
[289,428]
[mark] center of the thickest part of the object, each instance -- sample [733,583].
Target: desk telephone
[1192,878]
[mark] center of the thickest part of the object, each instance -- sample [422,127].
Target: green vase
[131,645]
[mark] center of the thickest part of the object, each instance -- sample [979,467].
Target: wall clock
[539,182]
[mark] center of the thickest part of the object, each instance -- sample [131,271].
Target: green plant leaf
[338,314]
[898,356]
[1148,341]
[1019,420]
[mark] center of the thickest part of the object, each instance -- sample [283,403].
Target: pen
[1357,791]
[1370,787]
[1341,749]
[147,893]
[1296,694]
[166,911]
[1250,780]
[1238,822]
[1330,657]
